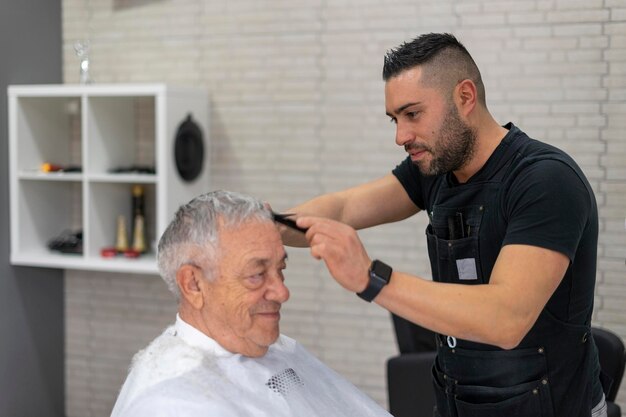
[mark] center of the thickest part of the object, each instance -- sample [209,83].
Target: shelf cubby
[113,137]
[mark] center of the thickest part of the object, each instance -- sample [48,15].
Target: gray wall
[31,299]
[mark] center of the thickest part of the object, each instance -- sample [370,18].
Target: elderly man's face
[242,308]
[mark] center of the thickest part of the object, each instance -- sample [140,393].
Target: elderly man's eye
[256,279]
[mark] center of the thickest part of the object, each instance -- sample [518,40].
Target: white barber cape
[185,373]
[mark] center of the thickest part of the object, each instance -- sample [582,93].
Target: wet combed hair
[444,60]
[193,235]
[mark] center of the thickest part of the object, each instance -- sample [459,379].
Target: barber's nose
[277,290]
[403,135]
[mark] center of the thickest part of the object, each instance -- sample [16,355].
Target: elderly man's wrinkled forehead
[239,226]
[210,254]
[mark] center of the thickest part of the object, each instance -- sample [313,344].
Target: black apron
[547,375]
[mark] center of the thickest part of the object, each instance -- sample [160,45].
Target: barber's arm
[499,313]
[377,202]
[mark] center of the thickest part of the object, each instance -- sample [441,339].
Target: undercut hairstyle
[444,61]
[192,238]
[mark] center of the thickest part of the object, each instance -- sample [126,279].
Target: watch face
[379,274]
[381,270]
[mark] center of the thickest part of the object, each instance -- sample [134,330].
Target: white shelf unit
[97,127]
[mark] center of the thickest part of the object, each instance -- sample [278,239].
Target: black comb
[284,219]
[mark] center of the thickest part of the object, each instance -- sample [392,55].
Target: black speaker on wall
[189,149]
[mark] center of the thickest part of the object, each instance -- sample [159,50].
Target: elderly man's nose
[277,290]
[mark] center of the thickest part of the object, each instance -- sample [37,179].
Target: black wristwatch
[380,274]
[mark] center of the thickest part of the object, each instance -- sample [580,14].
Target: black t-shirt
[543,200]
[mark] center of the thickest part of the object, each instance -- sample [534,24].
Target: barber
[512,242]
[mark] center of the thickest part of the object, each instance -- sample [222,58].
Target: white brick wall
[298,110]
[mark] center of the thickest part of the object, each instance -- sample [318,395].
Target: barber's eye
[413,114]
[393,120]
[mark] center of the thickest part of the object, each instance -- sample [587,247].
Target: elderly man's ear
[191,283]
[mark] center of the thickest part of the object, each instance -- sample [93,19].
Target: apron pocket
[442,398]
[453,239]
[455,260]
[528,399]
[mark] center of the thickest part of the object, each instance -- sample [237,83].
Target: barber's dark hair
[444,59]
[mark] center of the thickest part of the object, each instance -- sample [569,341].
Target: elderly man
[223,257]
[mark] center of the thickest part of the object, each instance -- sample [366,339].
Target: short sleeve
[548,205]
[408,175]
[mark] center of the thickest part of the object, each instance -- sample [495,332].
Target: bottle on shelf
[139,238]
[121,244]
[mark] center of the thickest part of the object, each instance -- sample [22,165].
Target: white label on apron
[467,269]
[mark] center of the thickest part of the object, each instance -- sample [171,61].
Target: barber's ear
[190,282]
[467,96]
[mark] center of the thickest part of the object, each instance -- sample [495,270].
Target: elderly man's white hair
[193,236]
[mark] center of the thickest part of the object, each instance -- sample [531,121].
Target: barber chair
[409,381]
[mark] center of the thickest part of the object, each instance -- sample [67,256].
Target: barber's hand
[339,246]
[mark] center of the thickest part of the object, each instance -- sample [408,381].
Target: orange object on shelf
[48,167]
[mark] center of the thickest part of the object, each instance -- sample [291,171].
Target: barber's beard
[454,148]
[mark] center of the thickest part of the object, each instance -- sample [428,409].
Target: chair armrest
[409,384]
